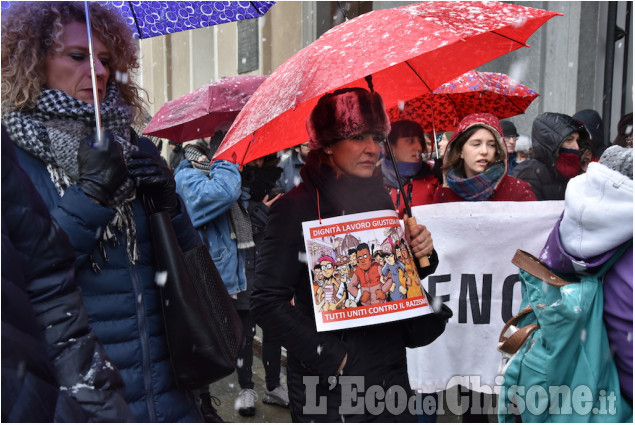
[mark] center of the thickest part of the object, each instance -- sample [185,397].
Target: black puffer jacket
[376,353]
[548,132]
[53,366]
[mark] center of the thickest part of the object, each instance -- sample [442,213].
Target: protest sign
[476,242]
[362,272]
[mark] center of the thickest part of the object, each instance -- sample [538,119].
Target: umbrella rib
[134,19]
[509,38]
[257,8]
[253,136]
[418,76]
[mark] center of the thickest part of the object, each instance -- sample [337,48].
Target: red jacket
[509,189]
[419,192]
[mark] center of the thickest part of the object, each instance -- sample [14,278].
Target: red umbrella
[199,113]
[474,91]
[408,50]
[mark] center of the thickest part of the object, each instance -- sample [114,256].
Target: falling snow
[160,278]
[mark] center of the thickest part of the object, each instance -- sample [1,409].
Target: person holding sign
[340,178]
[475,165]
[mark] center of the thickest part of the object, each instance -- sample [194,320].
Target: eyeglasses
[514,138]
[326,266]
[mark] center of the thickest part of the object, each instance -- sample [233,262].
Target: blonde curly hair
[31,29]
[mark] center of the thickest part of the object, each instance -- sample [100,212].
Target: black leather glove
[102,169]
[153,177]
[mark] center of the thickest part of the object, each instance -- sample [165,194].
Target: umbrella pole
[412,222]
[92,75]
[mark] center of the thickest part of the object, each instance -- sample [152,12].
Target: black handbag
[203,329]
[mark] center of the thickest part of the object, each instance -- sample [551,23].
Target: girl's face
[478,152]
[408,149]
[356,156]
[68,70]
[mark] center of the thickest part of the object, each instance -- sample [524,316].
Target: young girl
[475,165]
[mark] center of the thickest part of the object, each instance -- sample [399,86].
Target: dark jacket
[53,366]
[548,132]
[376,353]
[122,299]
[257,182]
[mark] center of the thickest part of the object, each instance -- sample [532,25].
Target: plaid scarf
[52,132]
[479,187]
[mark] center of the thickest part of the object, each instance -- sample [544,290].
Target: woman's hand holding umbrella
[420,240]
[101,168]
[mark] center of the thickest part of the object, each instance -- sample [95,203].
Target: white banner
[476,242]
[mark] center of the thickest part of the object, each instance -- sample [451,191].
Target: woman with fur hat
[475,165]
[340,177]
[408,146]
[96,193]
[556,139]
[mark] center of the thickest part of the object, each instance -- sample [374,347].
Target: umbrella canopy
[152,18]
[474,91]
[199,113]
[408,50]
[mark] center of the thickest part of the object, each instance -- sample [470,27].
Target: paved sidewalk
[227,390]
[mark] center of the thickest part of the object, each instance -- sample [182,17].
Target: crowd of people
[82,328]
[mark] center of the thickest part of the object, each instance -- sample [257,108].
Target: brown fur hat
[346,113]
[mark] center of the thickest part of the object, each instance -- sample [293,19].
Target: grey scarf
[240,226]
[52,132]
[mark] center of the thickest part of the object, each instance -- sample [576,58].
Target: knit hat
[625,131]
[509,129]
[523,144]
[620,159]
[346,113]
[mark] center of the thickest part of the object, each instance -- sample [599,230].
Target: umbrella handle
[423,261]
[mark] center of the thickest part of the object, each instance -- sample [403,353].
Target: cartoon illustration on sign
[362,271]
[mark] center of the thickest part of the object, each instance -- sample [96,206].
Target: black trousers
[271,351]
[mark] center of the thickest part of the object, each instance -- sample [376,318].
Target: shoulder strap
[512,338]
[620,251]
[537,269]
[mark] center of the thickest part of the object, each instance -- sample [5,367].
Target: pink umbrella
[474,91]
[199,113]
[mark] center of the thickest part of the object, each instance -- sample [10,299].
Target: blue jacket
[208,198]
[121,299]
[53,366]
